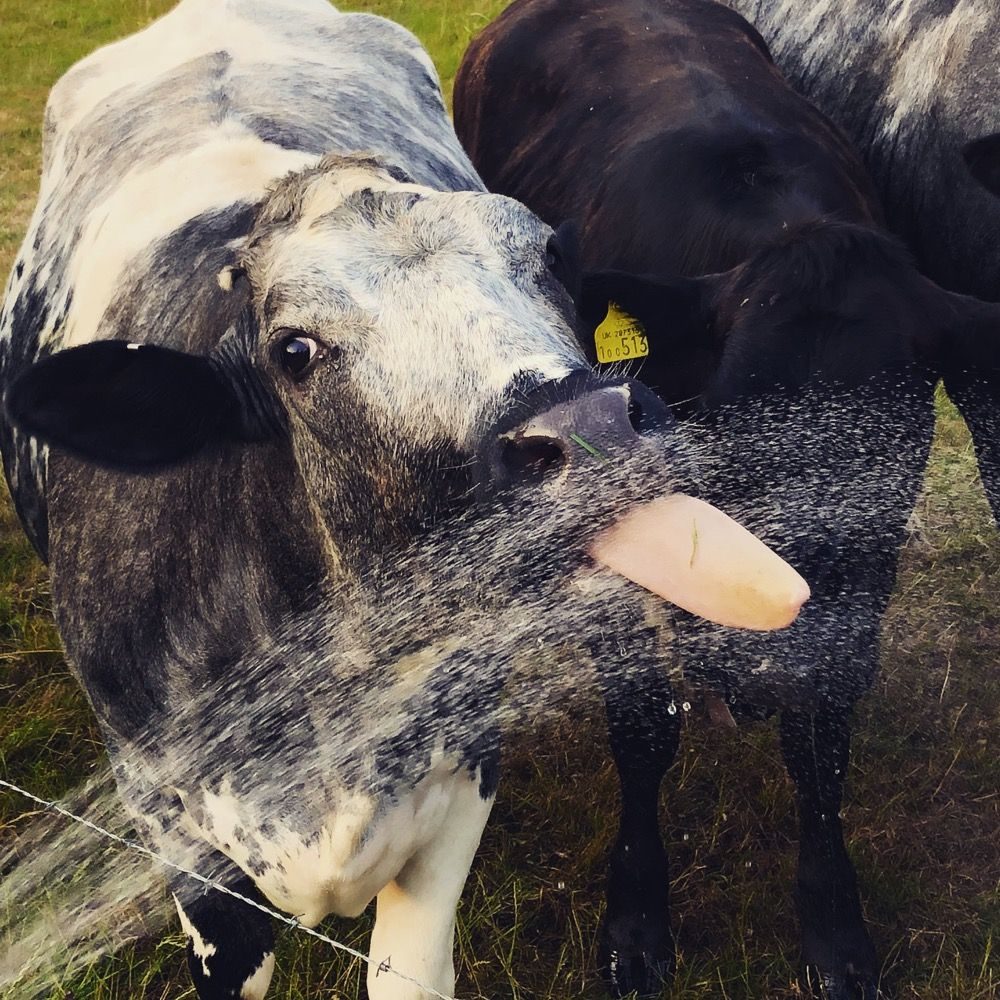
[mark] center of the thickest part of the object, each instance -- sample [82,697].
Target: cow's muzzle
[555,429]
[676,546]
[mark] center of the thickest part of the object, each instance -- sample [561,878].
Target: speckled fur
[310,150]
[910,82]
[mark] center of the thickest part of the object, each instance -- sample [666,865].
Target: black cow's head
[830,303]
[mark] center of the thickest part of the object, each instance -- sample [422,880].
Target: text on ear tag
[619,337]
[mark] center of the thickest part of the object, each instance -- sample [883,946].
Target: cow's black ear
[982,157]
[127,406]
[669,311]
[677,318]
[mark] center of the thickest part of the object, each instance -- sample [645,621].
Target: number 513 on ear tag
[619,337]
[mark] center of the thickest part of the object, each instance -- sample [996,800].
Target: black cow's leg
[230,948]
[636,947]
[838,955]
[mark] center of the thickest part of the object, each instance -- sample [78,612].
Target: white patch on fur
[191,29]
[231,164]
[202,948]
[549,368]
[327,196]
[225,278]
[255,987]
[360,846]
[414,929]
[903,46]
[921,56]
[791,25]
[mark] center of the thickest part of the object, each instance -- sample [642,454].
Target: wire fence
[384,966]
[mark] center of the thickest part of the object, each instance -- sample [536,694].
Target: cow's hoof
[636,958]
[845,986]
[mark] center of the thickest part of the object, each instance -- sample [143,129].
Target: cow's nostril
[528,459]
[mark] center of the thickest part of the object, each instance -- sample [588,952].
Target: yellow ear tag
[619,337]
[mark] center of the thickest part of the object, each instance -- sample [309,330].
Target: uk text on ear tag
[619,337]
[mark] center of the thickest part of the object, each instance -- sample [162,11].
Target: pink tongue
[691,554]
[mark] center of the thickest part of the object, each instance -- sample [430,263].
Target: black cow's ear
[677,327]
[126,406]
[670,310]
[675,315]
[982,157]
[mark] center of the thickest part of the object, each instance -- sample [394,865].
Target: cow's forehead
[345,240]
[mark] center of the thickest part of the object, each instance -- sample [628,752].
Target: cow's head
[414,349]
[387,327]
[830,303]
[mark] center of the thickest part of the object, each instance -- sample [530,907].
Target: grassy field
[923,805]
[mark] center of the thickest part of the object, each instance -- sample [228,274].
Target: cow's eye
[554,260]
[297,353]
[559,259]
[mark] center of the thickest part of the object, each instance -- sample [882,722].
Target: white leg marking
[415,918]
[256,986]
[202,948]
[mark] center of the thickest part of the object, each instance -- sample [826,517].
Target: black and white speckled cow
[245,363]
[914,86]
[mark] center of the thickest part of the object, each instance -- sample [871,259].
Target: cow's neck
[208,560]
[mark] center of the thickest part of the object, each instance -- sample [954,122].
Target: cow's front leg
[838,955]
[636,946]
[230,948]
[414,931]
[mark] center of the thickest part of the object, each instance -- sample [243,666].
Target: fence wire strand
[133,845]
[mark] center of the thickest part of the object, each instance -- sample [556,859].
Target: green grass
[923,805]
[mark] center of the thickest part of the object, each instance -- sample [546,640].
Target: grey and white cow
[914,84]
[245,365]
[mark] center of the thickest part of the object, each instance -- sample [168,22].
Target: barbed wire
[134,845]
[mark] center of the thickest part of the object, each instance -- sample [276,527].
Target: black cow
[734,221]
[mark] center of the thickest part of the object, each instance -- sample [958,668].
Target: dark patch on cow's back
[24,317]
